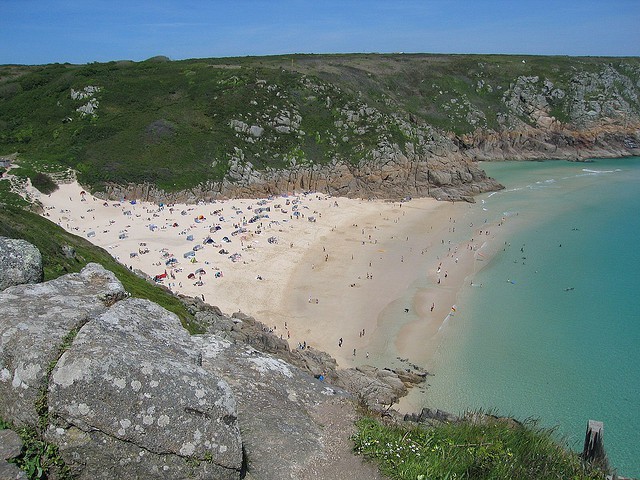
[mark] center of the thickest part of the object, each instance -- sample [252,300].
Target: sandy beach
[369,282]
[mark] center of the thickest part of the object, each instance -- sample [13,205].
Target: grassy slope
[168,123]
[194,98]
[471,450]
[49,238]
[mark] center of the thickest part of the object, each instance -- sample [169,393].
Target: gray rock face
[134,396]
[20,262]
[431,416]
[132,380]
[10,444]
[276,402]
[378,388]
[445,176]
[8,471]
[34,320]
[10,447]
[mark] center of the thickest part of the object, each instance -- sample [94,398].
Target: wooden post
[593,450]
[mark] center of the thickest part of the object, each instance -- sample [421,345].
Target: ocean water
[551,327]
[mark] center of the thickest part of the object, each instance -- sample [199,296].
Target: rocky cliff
[21,262]
[384,126]
[119,389]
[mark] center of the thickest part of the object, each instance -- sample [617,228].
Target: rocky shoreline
[454,175]
[376,388]
[397,178]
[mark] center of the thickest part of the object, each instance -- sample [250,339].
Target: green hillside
[177,124]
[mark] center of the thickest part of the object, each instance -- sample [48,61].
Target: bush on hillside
[44,183]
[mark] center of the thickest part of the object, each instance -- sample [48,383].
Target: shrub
[44,183]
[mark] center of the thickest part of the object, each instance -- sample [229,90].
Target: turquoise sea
[551,327]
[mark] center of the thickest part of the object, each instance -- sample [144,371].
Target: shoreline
[364,271]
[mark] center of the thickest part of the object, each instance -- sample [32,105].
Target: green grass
[488,449]
[7,197]
[38,458]
[16,222]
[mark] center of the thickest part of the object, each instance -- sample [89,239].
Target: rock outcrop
[557,142]
[123,391]
[445,178]
[10,448]
[35,320]
[431,416]
[376,388]
[131,395]
[20,262]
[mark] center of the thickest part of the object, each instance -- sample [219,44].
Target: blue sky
[47,31]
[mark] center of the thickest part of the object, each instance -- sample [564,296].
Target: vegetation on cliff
[181,124]
[471,448]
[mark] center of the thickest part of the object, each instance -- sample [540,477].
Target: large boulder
[279,407]
[20,262]
[34,322]
[10,448]
[130,394]
[378,389]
